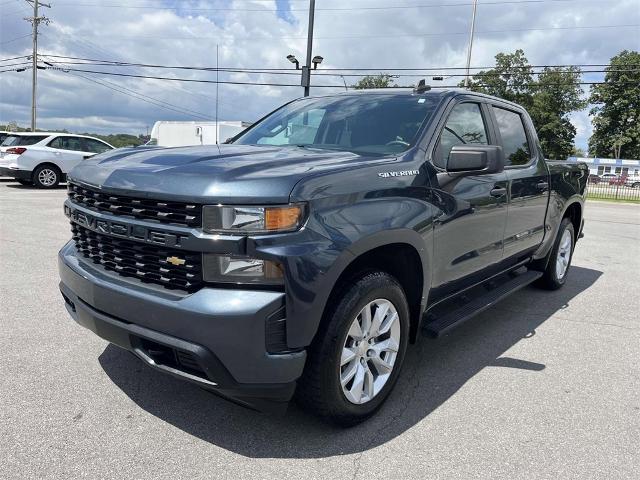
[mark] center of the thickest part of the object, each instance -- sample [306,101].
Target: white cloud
[368,38]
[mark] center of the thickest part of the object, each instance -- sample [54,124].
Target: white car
[44,158]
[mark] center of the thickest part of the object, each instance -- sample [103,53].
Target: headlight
[236,269]
[228,219]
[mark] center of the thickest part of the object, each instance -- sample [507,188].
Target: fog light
[237,269]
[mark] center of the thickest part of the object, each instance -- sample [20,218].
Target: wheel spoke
[365,316]
[357,388]
[388,345]
[348,354]
[381,366]
[388,323]
[369,384]
[348,374]
[355,331]
[378,318]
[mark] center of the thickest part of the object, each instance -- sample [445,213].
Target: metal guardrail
[616,189]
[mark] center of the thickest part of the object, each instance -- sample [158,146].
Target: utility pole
[217,90]
[473,26]
[306,70]
[35,21]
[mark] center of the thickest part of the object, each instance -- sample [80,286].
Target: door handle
[542,185]
[498,192]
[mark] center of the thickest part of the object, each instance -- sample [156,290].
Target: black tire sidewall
[369,288]
[551,276]
[37,171]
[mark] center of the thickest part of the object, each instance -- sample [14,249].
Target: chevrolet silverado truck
[303,257]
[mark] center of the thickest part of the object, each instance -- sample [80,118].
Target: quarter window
[464,126]
[94,146]
[514,137]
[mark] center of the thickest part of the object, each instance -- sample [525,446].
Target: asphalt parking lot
[545,385]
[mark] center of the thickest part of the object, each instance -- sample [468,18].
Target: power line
[325,9]
[102,62]
[315,73]
[193,80]
[142,97]
[14,39]
[14,58]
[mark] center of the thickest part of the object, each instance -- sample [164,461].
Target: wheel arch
[401,255]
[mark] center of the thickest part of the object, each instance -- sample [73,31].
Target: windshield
[372,124]
[17,140]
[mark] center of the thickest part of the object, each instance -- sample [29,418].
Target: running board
[444,318]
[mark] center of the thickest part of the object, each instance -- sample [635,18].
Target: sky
[252,34]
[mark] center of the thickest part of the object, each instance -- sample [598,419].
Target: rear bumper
[15,173]
[214,338]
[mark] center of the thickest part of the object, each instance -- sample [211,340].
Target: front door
[469,231]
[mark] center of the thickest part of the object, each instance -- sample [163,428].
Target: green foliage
[382,80]
[616,111]
[549,99]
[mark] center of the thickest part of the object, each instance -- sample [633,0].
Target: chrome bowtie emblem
[176,261]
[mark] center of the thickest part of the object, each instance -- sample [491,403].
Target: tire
[635,185]
[320,389]
[25,182]
[46,176]
[554,276]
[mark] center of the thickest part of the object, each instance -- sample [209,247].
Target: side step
[443,318]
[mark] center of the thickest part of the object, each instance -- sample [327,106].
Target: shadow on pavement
[433,372]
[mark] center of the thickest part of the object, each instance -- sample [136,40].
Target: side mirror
[476,159]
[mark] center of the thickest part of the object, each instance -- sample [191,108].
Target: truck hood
[225,173]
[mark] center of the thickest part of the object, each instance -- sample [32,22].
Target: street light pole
[473,26]
[306,70]
[35,21]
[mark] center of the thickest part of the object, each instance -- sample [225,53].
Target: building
[600,166]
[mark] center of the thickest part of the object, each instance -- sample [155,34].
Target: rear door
[527,177]
[68,151]
[469,230]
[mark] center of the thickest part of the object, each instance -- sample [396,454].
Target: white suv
[43,158]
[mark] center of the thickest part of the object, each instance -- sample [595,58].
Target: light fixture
[293,59]
[317,60]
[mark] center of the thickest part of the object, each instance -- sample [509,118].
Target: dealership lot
[545,385]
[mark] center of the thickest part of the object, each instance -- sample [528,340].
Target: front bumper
[15,173]
[214,337]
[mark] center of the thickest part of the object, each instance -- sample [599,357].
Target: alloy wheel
[370,350]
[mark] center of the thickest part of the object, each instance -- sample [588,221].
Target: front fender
[334,237]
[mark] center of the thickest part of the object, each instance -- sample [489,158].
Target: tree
[549,99]
[556,94]
[511,79]
[382,80]
[616,111]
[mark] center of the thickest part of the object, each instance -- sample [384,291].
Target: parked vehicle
[308,254]
[181,134]
[3,135]
[593,178]
[608,178]
[633,182]
[43,158]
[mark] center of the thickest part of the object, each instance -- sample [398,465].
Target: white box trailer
[182,134]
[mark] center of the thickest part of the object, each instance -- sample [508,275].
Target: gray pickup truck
[304,256]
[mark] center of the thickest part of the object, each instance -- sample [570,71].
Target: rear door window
[94,146]
[514,137]
[67,143]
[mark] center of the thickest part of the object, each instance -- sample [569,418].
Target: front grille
[145,262]
[174,213]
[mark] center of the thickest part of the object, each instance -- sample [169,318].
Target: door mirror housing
[476,159]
